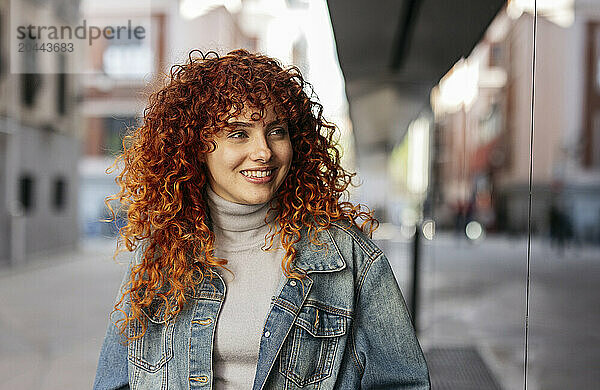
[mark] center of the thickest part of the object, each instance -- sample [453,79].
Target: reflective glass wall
[565,269]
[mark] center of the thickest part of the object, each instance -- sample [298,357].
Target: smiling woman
[250,270]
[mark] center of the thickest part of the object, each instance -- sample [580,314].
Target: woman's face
[252,158]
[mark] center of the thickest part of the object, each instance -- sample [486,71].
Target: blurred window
[114,131]
[490,125]
[591,135]
[303,4]
[31,80]
[2,59]
[128,58]
[497,54]
[61,86]
[59,196]
[596,54]
[299,54]
[26,192]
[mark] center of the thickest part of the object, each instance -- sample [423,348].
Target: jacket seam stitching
[330,309]
[165,383]
[191,326]
[353,236]
[366,270]
[355,353]
[362,278]
[368,251]
[339,253]
[285,305]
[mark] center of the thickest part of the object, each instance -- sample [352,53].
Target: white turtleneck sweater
[239,235]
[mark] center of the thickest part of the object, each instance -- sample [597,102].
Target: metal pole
[414,296]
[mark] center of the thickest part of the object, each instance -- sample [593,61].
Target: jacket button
[267,333]
[206,321]
[201,378]
[293,283]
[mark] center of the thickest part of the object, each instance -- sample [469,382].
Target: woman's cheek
[232,159]
[287,152]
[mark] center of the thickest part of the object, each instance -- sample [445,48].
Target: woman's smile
[259,175]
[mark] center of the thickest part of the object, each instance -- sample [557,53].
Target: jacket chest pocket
[307,356]
[154,349]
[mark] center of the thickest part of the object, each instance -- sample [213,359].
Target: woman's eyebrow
[237,123]
[276,122]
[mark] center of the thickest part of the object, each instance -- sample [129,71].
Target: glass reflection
[474,271]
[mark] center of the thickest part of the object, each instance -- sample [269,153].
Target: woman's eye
[237,134]
[278,131]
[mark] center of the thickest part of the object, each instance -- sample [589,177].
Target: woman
[250,271]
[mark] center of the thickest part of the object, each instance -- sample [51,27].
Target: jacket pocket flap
[154,349]
[321,323]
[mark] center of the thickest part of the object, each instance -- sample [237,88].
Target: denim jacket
[346,328]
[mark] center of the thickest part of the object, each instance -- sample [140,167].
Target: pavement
[54,310]
[53,315]
[473,295]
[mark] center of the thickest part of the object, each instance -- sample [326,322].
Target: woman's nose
[261,150]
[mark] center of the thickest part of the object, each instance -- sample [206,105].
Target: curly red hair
[163,180]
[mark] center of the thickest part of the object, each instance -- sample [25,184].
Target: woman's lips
[258,180]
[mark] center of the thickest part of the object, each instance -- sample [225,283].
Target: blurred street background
[432,100]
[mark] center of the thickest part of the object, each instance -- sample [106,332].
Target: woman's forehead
[252,113]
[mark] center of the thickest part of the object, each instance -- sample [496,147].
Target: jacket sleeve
[385,342]
[111,373]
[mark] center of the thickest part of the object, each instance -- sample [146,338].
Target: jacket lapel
[310,258]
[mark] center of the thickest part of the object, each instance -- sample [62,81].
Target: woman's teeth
[257,173]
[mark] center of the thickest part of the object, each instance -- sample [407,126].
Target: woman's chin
[257,198]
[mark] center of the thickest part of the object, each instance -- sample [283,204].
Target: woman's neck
[235,217]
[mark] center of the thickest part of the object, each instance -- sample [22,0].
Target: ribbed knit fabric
[239,234]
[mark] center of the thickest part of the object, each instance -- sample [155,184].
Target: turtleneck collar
[236,217]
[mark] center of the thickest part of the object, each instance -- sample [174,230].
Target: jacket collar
[311,257]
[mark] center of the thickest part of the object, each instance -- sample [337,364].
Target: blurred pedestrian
[250,271]
[561,229]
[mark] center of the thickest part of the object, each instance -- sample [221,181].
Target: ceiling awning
[406,45]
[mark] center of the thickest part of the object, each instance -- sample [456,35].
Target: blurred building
[39,147]
[117,72]
[483,130]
